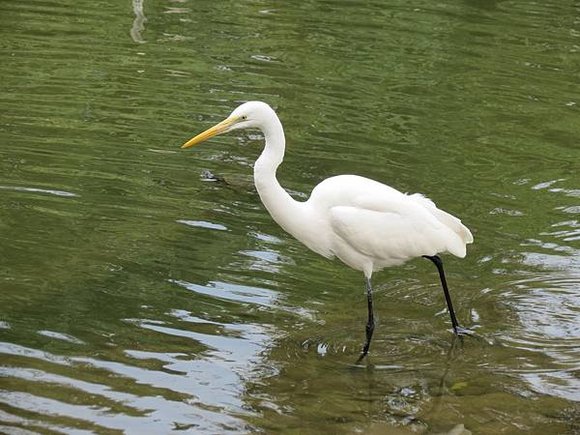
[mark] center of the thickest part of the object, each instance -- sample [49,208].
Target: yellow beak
[210,132]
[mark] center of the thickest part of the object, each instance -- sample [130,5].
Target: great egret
[366,224]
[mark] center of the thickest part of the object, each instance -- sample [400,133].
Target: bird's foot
[364,352]
[460,331]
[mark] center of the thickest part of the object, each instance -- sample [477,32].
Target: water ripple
[232,292]
[127,411]
[203,224]
[548,308]
[61,193]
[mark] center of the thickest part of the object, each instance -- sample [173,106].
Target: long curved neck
[281,206]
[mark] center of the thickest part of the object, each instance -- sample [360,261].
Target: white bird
[366,224]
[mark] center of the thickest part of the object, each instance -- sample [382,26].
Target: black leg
[371,321]
[437,261]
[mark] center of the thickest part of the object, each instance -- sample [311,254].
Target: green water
[137,297]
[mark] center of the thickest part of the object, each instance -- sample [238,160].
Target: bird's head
[248,115]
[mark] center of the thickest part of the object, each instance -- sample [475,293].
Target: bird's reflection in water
[139,22]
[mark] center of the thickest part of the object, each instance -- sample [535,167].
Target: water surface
[137,296]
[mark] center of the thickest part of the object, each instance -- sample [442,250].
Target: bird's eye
[244,117]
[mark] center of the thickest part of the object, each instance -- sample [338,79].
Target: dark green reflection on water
[138,297]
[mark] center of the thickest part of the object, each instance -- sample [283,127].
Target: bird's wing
[394,229]
[381,222]
[445,218]
[442,228]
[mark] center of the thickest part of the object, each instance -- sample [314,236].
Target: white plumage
[366,224]
[370,226]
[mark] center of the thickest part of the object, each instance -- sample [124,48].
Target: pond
[138,295]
